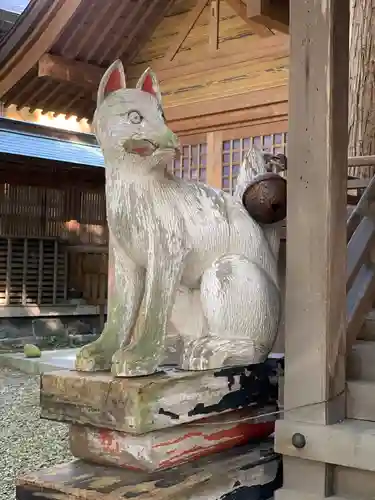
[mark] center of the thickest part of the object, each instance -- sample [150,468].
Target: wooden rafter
[44,34]
[149,18]
[64,44]
[214,24]
[241,10]
[69,71]
[275,16]
[187,26]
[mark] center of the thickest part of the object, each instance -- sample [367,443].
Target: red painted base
[170,447]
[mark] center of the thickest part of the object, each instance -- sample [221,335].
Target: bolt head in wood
[298,440]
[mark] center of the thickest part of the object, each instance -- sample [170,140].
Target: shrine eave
[53,56]
[28,140]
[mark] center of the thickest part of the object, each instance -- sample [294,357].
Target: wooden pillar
[215,159]
[315,327]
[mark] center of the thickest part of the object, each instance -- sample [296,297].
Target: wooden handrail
[360,268]
[358,247]
[361,161]
[358,183]
[362,207]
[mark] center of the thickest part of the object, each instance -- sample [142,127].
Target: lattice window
[192,164]
[32,271]
[93,210]
[92,227]
[71,214]
[234,150]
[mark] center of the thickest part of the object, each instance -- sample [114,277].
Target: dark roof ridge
[53,133]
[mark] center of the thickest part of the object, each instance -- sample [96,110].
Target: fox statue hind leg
[231,288]
[240,297]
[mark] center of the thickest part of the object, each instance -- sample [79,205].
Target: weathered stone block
[245,472]
[46,327]
[144,404]
[170,447]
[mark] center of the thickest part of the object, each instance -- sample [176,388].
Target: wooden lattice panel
[89,274]
[32,271]
[75,215]
[234,150]
[192,164]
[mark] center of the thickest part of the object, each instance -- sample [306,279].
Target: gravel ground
[27,443]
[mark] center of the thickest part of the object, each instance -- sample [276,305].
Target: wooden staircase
[361,374]
[349,446]
[360,298]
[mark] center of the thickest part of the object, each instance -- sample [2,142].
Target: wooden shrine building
[54,54]
[50,179]
[223,74]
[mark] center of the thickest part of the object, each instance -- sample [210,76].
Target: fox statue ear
[112,80]
[149,83]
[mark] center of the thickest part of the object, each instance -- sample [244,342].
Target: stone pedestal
[191,435]
[167,399]
[169,447]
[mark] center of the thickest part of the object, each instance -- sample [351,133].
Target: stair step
[288,494]
[348,484]
[361,361]
[368,330]
[360,401]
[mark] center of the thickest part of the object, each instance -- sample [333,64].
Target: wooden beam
[214,23]
[69,71]
[185,29]
[241,11]
[46,30]
[350,443]
[256,119]
[261,98]
[274,16]
[33,310]
[315,304]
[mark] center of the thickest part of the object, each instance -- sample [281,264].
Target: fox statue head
[129,123]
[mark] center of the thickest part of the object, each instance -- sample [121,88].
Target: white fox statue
[190,272]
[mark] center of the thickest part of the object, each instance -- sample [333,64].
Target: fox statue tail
[253,166]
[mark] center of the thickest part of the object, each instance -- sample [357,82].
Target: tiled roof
[37,145]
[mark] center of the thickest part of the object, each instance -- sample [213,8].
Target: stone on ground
[31,351]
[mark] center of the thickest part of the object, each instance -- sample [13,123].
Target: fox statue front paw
[93,357]
[129,362]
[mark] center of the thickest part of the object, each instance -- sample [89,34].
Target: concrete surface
[62,359]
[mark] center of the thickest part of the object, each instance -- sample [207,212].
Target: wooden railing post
[315,330]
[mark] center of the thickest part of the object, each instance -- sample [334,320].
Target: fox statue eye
[135,117]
